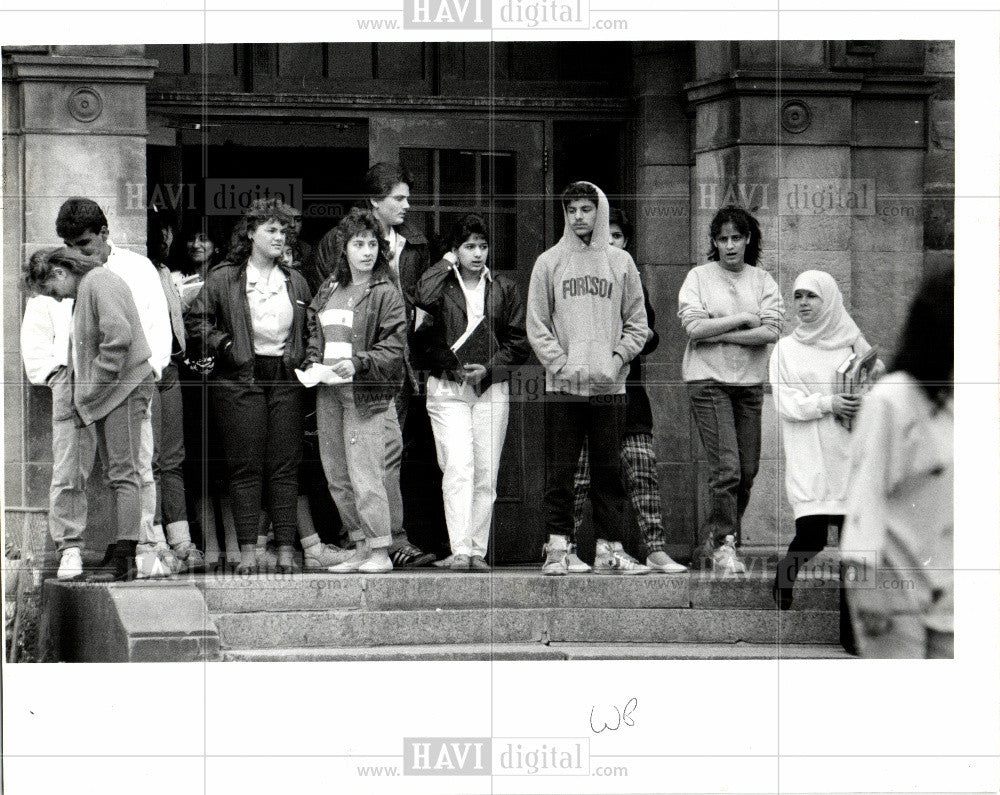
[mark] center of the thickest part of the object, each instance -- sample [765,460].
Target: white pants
[149,532]
[469,433]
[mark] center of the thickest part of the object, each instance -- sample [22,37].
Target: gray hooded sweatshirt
[585,304]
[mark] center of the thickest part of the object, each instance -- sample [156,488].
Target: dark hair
[616,216]
[579,190]
[927,346]
[78,215]
[333,246]
[745,224]
[40,264]
[213,260]
[465,227]
[158,220]
[259,213]
[382,178]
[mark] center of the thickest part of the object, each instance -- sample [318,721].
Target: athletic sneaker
[70,564]
[320,557]
[611,558]
[573,564]
[661,561]
[725,561]
[556,551]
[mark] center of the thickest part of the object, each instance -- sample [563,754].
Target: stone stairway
[516,613]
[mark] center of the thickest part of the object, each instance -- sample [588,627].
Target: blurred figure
[897,543]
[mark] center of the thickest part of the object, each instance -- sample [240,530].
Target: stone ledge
[126,622]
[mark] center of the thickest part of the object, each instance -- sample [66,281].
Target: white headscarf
[833,327]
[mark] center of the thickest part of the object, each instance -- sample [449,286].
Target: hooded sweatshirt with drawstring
[585,304]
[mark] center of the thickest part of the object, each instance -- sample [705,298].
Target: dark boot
[121,564]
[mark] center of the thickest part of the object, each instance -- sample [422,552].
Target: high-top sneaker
[555,550]
[611,558]
[725,561]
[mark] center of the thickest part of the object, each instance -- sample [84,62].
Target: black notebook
[476,346]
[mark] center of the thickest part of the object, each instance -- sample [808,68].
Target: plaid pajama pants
[639,478]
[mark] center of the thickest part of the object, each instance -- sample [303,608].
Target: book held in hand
[476,346]
[854,377]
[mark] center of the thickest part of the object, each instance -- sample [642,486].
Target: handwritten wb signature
[623,715]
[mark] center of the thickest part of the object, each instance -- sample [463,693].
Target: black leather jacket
[439,294]
[218,322]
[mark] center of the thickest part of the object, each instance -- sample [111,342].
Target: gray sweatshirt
[585,304]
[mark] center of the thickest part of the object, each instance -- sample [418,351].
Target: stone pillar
[74,124]
[825,144]
[663,251]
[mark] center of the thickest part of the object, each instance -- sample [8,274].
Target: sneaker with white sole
[378,562]
[725,561]
[611,558]
[662,562]
[556,550]
[319,557]
[150,564]
[573,563]
[70,564]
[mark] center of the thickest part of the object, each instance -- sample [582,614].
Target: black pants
[568,421]
[809,541]
[261,425]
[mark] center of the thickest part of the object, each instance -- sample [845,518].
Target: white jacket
[45,332]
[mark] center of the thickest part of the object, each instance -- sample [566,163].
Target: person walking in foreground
[356,337]
[897,545]
[803,374]
[638,457]
[731,311]
[476,339]
[110,386]
[585,322]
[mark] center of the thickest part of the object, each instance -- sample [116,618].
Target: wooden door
[496,168]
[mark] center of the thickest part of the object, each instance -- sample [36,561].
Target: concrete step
[429,589]
[538,651]
[352,628]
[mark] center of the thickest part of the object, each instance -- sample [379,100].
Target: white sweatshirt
[816,446]
[147,292]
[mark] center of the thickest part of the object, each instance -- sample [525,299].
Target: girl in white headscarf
[803,372]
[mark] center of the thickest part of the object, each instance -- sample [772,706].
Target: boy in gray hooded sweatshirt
[586,321]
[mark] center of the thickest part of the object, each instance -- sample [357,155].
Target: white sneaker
[358,556]
[149,563]
[556,550]
[725,561]
[611,558]
[661,561]
[377,562]
[70,564]
[573,564]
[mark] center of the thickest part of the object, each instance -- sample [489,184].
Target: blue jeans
[728,420]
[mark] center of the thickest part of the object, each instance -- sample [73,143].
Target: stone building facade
[671,130]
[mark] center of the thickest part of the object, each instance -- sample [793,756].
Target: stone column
[663,251]
[825,143]
[74,124]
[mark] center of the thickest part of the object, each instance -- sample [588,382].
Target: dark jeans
[728,420]
[168,448]
[568,421]
[119,445]
[261,425]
